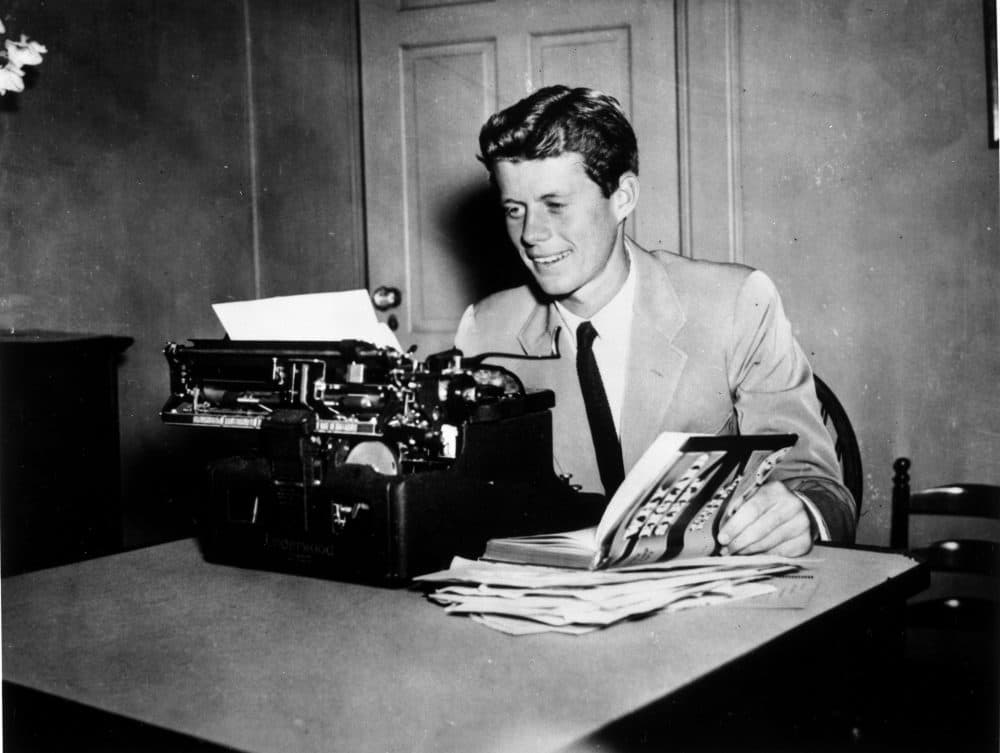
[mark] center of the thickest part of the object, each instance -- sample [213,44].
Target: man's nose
[535,230]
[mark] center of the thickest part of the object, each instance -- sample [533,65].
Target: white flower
[10,79]
[24,52]
[18,54]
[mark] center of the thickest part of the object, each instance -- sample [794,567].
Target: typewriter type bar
[349,389]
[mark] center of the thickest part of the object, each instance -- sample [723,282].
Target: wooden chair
[954,555]
[949,686]
[845,441]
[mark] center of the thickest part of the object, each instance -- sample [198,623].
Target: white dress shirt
[614,326]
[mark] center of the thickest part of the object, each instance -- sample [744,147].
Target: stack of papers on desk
[525,599]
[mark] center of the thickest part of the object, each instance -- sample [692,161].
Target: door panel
[439,80]
[599,57]
[432,74]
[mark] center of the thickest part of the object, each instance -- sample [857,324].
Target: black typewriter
[366,463]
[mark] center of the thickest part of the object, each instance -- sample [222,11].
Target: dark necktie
[602,425]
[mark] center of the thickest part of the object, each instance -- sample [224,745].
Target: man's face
[565,230]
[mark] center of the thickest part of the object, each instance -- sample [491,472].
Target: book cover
[670,504]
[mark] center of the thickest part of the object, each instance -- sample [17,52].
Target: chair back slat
[974,500]
[961,556]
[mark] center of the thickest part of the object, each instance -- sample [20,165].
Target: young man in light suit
[680,345]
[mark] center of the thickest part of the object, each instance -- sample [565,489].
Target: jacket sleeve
[773,391]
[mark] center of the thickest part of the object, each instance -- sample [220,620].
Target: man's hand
[772,521]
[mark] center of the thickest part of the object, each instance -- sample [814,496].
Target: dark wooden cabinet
[60,491]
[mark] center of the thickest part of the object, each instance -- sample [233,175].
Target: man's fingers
[763,512]
[745,514]
[789,530]
[774,521]
[796,547]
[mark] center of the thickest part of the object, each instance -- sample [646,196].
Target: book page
[674,517]
[679,513]
[647,471]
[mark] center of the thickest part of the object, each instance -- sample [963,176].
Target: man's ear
[626,196]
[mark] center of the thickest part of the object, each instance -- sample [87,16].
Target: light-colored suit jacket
[711,351]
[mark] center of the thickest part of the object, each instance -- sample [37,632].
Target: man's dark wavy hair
[557,119]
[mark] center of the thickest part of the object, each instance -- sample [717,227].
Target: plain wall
[870,195]
[128,172]
[169,155]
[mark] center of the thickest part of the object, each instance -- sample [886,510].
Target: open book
[671,504]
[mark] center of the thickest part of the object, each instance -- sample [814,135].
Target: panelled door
[432,72]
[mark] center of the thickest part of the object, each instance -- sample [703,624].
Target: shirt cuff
[819,528]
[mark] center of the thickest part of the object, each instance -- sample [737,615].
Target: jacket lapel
[572,447]
[543,336]
[537,336]
[655,363]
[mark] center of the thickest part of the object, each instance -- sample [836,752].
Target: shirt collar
[613,319]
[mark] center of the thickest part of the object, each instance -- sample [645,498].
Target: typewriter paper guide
[345,315]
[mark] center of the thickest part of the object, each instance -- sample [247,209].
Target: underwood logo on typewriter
[297,547]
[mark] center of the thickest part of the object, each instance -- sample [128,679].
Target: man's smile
[547,261]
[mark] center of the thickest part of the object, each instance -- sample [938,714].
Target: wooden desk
[261,661]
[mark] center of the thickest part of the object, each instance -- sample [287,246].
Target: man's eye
[555,207]
[514,213]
